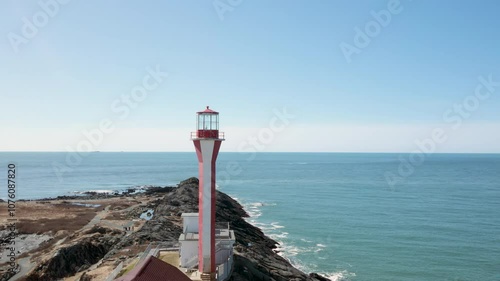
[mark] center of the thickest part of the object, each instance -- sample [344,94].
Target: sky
[311,76]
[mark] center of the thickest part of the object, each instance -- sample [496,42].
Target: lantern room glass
[208,121]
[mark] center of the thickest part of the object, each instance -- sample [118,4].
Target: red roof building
[154,269]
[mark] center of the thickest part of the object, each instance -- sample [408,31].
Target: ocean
[333,213]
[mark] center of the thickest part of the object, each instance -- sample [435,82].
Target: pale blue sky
[264,55]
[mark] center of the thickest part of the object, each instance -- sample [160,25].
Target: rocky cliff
[255,256]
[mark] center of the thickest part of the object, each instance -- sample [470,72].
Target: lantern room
[207,124]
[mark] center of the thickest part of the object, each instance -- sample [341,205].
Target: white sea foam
[254,213]
[276,225]
[293,251]
[340,276]
[289,251]
[104,191]
[264,227]
[143,186]
[279,236]
[253,209]
[256,205]
[123,189]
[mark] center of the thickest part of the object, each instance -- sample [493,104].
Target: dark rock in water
[157,189]
[318,277]
[129,191]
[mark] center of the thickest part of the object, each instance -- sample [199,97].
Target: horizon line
[333,152]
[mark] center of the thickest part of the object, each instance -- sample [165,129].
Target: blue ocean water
[333,213]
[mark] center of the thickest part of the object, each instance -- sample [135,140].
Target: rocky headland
[85,237]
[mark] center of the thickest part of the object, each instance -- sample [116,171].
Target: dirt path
[97,219]
[25,265]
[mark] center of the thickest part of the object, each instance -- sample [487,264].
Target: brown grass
[38,218]
[52,210]
[43,225]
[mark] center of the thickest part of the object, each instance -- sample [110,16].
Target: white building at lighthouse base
[224,241]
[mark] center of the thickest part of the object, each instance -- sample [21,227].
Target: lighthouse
[207,141]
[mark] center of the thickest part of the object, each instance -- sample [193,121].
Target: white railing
[150,251]
[115,272]
[192,263]
[221,136]
[154,252]
[145,254]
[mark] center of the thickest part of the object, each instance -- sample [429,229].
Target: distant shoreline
[268,152]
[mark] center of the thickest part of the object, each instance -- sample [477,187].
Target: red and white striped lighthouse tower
[207,141]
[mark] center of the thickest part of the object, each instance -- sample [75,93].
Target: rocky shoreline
[94,250]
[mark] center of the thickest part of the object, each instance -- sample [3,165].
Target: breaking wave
[288,250]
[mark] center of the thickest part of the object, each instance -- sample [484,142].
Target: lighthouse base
[188,252]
